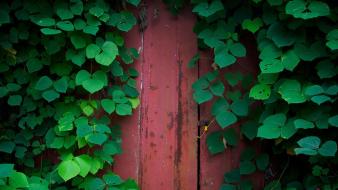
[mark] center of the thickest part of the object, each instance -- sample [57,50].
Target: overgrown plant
[64,71]
[294,114]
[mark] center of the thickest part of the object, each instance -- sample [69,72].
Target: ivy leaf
[232,176]
[219,105]
[271,66]
[332,39]
[123,109]
[240,107]
[18,180]
[260,92]
[252,25]
[45,22]
[301,9]
[124,20]
[14,100]
[310,52]
[201,96]
[311,142]
[226,118]
[134,2]
[326,69]
[246,167]
[92,85]
[6,170]
[78,40]
[108,105]
[65,26]
[291,91]
[290,60]
[262,161]
[84,162]
[206,10]
[43,83]
[50,95]
[271,128]
[238,50]
[217,88]
[50,31]
[222,57]
[313,90]
[334,121]
[215,142]
[96,11]
[97,138]
[320,99]
[329,148]
[92,50]
[303,124]
[68,169]
[280,35]
[61,85]
[108,54]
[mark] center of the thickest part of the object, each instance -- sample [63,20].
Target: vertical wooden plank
[164,151]
[212,168]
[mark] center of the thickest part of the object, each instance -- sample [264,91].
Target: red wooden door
[160,145]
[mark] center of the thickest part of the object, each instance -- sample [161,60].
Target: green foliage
[62,63]
[296,87]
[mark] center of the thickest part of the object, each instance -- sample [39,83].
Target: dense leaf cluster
[292,106]
[63,68]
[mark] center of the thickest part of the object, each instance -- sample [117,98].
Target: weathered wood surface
[159,142]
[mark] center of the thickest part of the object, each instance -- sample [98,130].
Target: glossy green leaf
[123,109]
[291,91]
[334,121]
[225,118]
[108,105]
[18,180]
[68,169]
[328,148]
[205,9]
[303,124]
[202,96]
[6,170]
[260,92]
[14,100]
[43,83]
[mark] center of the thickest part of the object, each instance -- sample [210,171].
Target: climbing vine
[291,107]
[64,70]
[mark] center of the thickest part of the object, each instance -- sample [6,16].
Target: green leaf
[92,85]
[334,121]
[68,169]
[262,161]
[14,100]
[311,142]
[123,109]
[18,180]
[222,57]
[280,35]
[91,29]
[219,105]
[96,11]
[290,60]
[310,52]
[217,88]
[6,170]
[313,90]
[238,50]
[326,69]
[252,25]
[45,22]
[329,148]
[97,138]
[7,146]
[65,26]
[134,2]
[108,105]
[226,118]
[240,107]
[320,99]
[232,176]
[205,10]
[82,76]
[271,66]
[305,10]
[95,184]
[78,41]
[193,61]
[249,129]
[291,91]
[112,179]
[77,8]
[108,54]
[43,83]
[64,13]
[228,187]
[332,39]
[92,50]
[202,96]
[50,95]
[215,142]
[260,92]
[233,78]
[246,167]
[124,20]
[271,128]
[84,162]
[50,31]
[61,85]
[303,124]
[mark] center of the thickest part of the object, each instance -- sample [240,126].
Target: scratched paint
[164,153]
